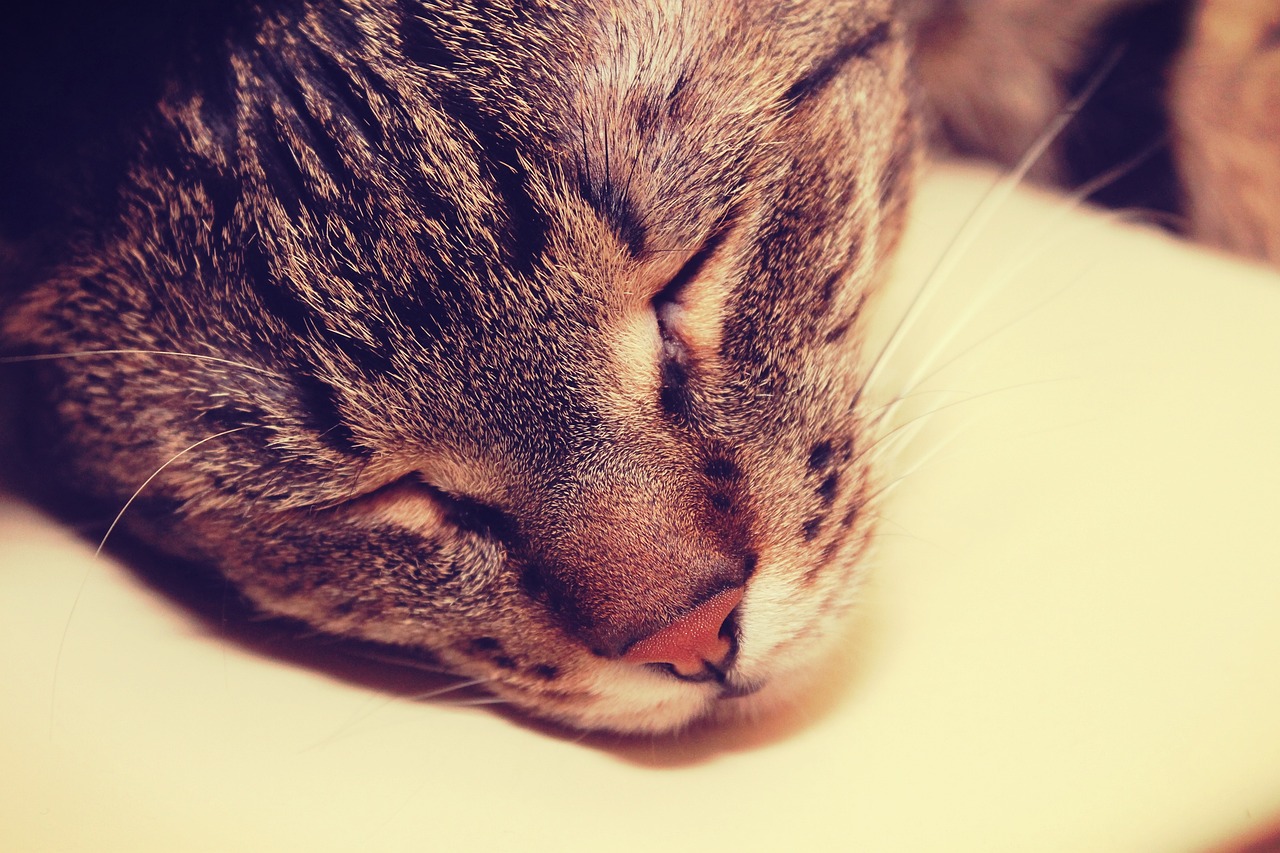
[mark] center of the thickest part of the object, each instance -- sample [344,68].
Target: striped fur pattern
[508,331]
[525,326]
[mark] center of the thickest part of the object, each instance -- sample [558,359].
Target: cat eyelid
[669,296]
[470,513]
[415,503]
[688,308]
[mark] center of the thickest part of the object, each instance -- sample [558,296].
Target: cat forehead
[673,110]
[475,186]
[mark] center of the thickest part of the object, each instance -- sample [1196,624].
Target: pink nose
[692,641]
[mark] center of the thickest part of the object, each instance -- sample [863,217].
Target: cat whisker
[884,438]
[988,205]
[874,498]
[406,661]
[474,703]
[381,702]
[1120,170]
[927,368]
[1009,273]
[84,578]
[896,439]
[174,458]
[429,695]
[924,372]
[213,359]
[974,307]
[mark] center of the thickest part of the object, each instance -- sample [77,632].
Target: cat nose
[698,643]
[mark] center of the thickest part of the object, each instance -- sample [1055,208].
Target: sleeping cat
[522,335]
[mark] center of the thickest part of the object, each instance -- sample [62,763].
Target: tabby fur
[510,332]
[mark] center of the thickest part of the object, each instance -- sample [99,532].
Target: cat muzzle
[698,646]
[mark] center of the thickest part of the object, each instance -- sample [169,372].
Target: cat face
[526,338]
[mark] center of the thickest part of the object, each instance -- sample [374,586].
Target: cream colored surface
[1071,640]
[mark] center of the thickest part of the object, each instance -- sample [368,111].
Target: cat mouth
[728,688]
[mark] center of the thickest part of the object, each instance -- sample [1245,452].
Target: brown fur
[1226,111]
[431,241]
[994,72]
[512,332]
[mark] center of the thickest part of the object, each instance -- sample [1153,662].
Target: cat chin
[622,700]
[631,700]
[786,657]
[690,707]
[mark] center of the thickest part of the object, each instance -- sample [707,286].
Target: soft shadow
[218,609]
[1266,840]
[835,683]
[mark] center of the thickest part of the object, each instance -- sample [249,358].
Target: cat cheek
[404,507]
[637,351]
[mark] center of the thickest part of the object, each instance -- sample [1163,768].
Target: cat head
[523,335]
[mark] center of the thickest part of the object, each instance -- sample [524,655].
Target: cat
[1188,113]
[521,335]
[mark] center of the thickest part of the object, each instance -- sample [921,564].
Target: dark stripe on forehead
[318,404]
[282,174]
[860,47]
[597,168]
[284,300]
[322,414]
[454,78]
[347,97]
[285,130]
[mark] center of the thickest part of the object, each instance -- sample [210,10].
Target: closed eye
[670,304]
[474,516]
[462,511]
[688,310]
[858,47]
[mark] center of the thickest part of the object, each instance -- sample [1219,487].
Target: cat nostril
[693,642]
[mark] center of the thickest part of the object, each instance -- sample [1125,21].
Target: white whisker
[449,688]
[84,577]
[407,662]
[973,307]
[913,384]
[57,356]
[1120,170]
[990,203]
[474,703]
[903,433]
[174,458]
[1008,273]
[879,494]
[383,701]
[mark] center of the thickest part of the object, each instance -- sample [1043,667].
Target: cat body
[1192,88]
[522,335]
